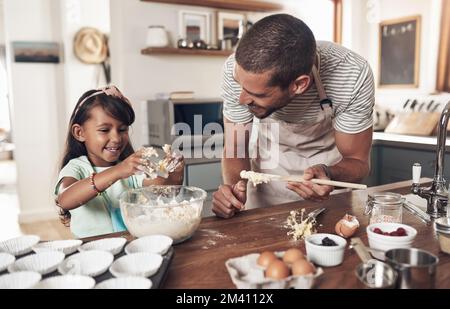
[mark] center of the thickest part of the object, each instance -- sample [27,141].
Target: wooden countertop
[200,261]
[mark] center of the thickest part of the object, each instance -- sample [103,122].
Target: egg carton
[247,274]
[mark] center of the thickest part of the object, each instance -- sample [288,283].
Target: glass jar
[384,207]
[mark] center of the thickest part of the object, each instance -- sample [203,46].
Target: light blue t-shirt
[101,215]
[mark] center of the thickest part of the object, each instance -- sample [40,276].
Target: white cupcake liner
[43,263]
[67,247]
[125,283]
[6,259]
[142,264]
[20,245]
[19,280]
[66,282]
[158,244]
[113,245]
[87,263]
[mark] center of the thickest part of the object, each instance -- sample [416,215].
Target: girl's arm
[74,193]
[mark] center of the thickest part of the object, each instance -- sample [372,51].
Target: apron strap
[322,94]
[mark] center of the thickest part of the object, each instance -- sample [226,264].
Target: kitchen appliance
[186,123]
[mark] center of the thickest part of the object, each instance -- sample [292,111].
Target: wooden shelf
[184,51]
[240,5]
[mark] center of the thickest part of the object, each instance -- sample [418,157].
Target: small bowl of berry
[325,249]
[385,236]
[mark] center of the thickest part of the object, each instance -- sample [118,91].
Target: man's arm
[354,166]
[232,195]
[355,150]
[235,151]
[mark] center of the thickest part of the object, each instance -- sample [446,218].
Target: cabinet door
[395,164]
[373,178]
[207,176]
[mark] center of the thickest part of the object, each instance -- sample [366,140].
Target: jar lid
[386,198]
[443,225]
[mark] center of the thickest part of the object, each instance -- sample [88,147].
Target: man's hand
[309,190]
[229,199]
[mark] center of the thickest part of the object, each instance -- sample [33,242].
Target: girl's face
[104,137]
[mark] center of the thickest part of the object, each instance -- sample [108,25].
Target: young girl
[99,164]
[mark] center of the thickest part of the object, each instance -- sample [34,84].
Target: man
[318,96]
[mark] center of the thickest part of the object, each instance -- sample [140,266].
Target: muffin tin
[156,279]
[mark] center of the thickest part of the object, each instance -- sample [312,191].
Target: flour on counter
[299,226]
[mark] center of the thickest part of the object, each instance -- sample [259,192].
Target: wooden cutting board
[414,123]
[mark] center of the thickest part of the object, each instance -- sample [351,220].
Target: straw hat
[90,46]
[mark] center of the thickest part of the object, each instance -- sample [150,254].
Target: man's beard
[267,113]
[282,102]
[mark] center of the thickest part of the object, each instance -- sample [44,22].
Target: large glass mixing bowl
[174,211]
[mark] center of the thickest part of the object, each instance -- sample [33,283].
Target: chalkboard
[399,52]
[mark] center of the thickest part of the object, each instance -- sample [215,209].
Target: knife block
[414,123]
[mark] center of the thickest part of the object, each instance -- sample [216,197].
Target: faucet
[437,194]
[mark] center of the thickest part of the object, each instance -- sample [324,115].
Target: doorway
[9,202]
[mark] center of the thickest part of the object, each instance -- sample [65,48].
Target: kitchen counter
[200,261]
[407,141]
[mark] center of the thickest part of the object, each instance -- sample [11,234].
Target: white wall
[43,95]
[361,34]
[81,77]
[141,77]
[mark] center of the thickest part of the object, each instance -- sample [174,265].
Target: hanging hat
[90,46]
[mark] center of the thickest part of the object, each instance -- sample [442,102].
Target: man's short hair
[281,43]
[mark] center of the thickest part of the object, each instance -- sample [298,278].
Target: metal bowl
[416,268]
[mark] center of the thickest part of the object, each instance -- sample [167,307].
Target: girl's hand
[130,166]
[176,177]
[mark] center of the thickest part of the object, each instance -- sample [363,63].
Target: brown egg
[347,226]
[277,270]
[265,258]
[302,267]
[292,254]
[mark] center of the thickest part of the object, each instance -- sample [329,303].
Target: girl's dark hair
[114,106]
[281,43]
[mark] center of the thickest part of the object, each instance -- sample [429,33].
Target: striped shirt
[348,82]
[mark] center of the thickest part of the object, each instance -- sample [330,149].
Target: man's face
[261,100]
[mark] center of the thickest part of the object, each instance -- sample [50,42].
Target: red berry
[394,233]
[377,230]
[401,230]
[386,233]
